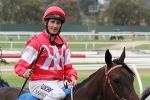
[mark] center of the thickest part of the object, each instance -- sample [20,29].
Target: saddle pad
[27,96]
[4,85]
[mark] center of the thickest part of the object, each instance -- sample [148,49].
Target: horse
[113,81]
[146,94]
[117,37]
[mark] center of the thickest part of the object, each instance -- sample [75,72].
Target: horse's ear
[123,55]
[108,58]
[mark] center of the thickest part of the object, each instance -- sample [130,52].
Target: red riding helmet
[54,12]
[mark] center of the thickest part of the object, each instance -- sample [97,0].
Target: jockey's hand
[73,81]
[27,73]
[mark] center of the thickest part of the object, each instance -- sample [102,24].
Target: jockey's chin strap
[109,82]
[52,41]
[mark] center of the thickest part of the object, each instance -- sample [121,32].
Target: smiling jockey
[46,79]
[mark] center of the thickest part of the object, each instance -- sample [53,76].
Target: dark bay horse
[146,94]
[113,81]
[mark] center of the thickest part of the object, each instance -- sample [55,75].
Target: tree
[47,2]
[71,9]
[125,12]
[21,11]
[147,3]
[84,5]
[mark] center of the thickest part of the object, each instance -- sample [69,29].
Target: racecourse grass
[73,47]
[14,80]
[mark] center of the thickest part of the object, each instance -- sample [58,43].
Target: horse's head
[118,80]
[114,81]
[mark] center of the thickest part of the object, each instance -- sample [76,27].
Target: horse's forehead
[114,64]
[118,72]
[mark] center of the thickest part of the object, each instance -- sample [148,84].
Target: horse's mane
[85,80]
[145,93]
[124,66]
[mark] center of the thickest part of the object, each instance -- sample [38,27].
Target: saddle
[29,96]
[5,84]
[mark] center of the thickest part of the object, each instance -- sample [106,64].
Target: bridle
[108,80]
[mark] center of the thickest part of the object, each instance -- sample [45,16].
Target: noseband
[108,80]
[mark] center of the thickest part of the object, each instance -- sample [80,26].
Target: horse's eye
[116,81]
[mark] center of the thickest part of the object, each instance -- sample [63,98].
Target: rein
[108,80]
[71,93]
[66,86]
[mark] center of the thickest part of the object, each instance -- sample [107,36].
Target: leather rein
[109,82]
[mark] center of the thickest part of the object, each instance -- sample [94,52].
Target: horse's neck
[92,89]
[97,80]
[95,84]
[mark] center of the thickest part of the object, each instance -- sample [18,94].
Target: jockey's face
[54,26]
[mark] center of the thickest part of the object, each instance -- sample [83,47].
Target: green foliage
[126,12]
[31,11]
[84,5]
[47,2]
[21,11]
[71,9]
[119,12]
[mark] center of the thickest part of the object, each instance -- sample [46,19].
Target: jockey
[46,79]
